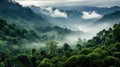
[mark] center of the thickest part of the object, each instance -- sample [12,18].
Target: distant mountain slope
[110,18]
[75,14]
[15,12]
[77,9]
[26,18]
[12,34]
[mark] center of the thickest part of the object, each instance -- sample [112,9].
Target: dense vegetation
[101,51]
[12,36]
[15,13]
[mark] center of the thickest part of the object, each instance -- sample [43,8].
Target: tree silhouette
[52,46]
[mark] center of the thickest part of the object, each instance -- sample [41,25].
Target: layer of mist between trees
[83,32]
[20,47]
[28,39]
[75,22]
[103,50]
[73,38]
[70,38]
[88,28]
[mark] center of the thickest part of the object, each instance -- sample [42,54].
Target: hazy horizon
[97,3]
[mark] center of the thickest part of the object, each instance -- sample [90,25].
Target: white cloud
[54,13]
[57,13]
[90,15]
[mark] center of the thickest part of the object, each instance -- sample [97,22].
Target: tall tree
[52,46]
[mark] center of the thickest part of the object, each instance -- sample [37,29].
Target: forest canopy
[103,50]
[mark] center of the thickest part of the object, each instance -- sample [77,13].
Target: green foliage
[102,53]
[2,64]
[83,61]
[46,63]
[33,51]
[117,46]
[116,54]
[13,37]
[103,50]
[52,46]
[95,59]
[66,47]
[79,46]
[85,51]
[24,59]
[109,61]
[70,62]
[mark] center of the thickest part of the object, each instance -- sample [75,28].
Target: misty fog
[84,25]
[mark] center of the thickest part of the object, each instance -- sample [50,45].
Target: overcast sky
[99,3]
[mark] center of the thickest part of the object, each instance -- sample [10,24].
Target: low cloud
[55,13]
[90,15]
[92,29]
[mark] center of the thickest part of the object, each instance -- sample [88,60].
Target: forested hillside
[15,13]
[113,17]
[101,51]
[28,40]
[13,37]
[24,16]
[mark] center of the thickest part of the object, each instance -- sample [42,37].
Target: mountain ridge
[14,12]
[110,18]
